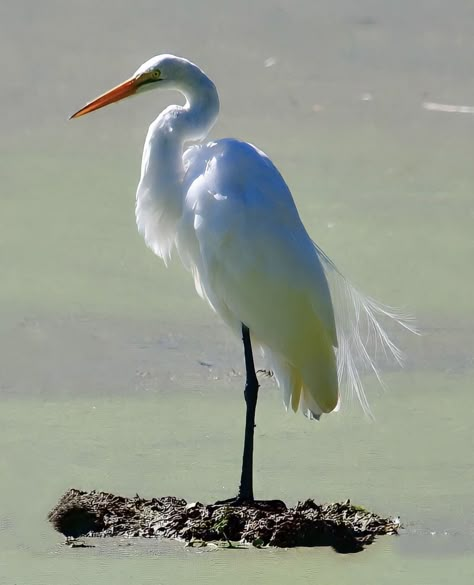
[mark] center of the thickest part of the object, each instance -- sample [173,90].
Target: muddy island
[345,527]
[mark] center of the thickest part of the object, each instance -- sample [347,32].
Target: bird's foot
[235,502]
[241,502]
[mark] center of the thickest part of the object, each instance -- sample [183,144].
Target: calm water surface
[114,376]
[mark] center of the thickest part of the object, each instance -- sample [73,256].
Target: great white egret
[227,210]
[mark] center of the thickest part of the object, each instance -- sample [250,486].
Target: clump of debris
[345,527]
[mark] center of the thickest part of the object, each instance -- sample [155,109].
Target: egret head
[163,71]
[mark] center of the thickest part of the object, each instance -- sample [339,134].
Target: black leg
[245,495]
[250,394]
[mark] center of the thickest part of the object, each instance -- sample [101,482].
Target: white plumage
[230,215]
[232,218]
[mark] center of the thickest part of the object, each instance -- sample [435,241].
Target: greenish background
[103,351]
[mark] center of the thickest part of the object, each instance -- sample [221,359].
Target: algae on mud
[345,527]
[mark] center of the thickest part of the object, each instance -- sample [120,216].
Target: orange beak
[125,89]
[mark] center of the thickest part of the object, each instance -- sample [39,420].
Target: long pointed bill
[125,89]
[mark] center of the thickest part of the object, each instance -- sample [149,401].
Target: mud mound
[345,527]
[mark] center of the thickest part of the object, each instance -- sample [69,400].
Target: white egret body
[230,215]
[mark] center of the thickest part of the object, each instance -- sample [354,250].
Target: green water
[103,352]
[186,441]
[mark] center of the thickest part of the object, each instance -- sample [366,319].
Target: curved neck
[199,114]
[160,194]
[177,125]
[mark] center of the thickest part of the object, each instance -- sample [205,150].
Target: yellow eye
[156,74]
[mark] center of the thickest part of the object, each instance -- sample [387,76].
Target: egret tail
[307,371]
[363,340]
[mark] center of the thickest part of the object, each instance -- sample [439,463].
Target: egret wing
[253,260]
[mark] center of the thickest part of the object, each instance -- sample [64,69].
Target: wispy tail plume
[362,340]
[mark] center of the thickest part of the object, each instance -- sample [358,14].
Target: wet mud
[343,526]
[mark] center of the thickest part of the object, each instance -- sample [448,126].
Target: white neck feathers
[160,194]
